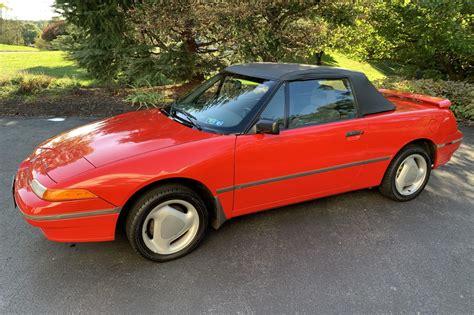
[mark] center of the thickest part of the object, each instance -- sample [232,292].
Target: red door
[296,165]
[320,152]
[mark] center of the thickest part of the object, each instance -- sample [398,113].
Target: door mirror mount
[268,126]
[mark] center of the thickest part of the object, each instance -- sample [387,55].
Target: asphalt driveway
[356,252]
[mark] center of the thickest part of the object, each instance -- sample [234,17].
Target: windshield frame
[248,119]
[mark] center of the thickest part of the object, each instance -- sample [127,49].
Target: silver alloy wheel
[170,227]
[411,174]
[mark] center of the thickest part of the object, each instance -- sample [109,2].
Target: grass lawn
[4,47]
[25,71]
[50,63]
[373,71]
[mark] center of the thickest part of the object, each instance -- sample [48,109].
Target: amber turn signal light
[67,194]
[60,194]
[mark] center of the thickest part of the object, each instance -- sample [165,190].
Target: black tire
[146,203]
[388,187]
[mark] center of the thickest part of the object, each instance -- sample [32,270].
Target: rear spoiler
[424,99]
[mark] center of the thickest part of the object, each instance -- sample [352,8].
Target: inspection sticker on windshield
[213,121]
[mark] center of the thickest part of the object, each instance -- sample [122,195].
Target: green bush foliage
[461,94]
[145,98]
[26,84]
[30,32]
[42,44]
[29,83]
[100,41]
[429,38]
[186,40]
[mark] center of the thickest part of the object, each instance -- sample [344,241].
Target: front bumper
[89,220]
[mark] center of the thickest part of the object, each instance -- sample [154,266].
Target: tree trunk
[197,77]
[319,58]
[191,48]
[452,68]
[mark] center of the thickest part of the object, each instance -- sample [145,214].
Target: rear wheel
[166,223]
[407,174]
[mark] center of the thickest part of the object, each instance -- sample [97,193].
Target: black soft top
[369,99]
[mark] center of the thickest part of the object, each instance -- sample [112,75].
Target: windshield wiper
[190,118]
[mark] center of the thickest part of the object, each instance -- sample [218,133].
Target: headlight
[37,188]
[59,194]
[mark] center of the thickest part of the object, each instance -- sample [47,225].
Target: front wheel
[407,174]
[166,223]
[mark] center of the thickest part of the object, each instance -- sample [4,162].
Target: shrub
[42,44]
[4,81]
[6,89]
[32,83]
[53,30]
[460,93]
[25,84]
[65,83]
[145,97]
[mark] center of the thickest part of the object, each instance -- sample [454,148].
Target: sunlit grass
[372,71]
[26,70]
[4,47]
[50,63]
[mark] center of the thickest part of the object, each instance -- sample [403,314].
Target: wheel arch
[427,144]
[216,213]
[387,184]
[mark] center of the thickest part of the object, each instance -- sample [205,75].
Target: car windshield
[224,103]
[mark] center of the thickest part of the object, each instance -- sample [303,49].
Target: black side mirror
[268,126]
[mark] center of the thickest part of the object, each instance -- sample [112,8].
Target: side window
[320,101]
[275,109]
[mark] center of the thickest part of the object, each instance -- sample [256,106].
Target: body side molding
[71,215]
[301,174]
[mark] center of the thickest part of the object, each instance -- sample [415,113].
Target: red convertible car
[254,137]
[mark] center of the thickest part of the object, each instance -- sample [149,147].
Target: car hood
[112,139]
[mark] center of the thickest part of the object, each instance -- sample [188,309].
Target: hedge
[460,93]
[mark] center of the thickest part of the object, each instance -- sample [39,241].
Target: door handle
[354,133]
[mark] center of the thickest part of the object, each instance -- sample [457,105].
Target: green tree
[11,32]
[188,39]
[183,40]
[102,43]
[270,30]
[29,32]
[3,7]
[53,30]
[429,35]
